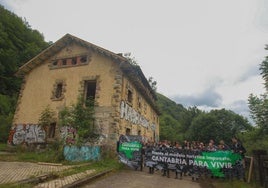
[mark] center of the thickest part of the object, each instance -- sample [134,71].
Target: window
[127,131]
[129,96]
[74,61]
[139,102]
[90,90]
[59,90]
[51,130]
[64,62]
[83,59]
[55,63]
[70,61]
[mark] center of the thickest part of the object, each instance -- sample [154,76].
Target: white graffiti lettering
[28,133]
[130,114]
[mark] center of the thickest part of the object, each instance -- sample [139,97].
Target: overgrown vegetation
[47,117]
[80,116]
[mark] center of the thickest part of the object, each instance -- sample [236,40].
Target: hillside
[18,43]
[175,119]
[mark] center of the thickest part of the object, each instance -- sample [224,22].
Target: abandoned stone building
[124,99]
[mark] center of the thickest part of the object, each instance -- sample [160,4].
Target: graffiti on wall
[26,133]
[83,153]
[68,134]
[130,114]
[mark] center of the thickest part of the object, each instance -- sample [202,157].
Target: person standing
[237,147]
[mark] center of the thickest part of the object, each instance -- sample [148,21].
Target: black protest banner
[216,163]
[129,150]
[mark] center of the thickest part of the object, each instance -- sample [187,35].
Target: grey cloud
[207,98]
[241,107]
[251,71]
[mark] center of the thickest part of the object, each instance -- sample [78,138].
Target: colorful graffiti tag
[26,133]
[68,134]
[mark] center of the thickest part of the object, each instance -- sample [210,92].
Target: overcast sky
[203,53]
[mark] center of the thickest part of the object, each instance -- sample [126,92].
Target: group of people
[190,147]
[236,145]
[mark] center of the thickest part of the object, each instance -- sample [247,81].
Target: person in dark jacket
[237,147]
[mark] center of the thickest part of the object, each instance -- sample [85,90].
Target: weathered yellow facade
[72,67]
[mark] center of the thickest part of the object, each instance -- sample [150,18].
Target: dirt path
[138,179]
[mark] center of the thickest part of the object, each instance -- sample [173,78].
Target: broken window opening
[83,59]
[129,96]
[127,131]
[51,130]
[90,92]
[64,62]
[74,61]
[55,63]
[59,89]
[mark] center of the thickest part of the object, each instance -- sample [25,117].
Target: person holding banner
[223,146]
[237,147]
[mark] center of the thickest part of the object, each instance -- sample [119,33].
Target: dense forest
[19,43]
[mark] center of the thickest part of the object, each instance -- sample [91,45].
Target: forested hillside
[178,123]
[18,43]
[174,119]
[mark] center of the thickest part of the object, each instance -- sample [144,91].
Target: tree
[217,125]
[130,59]
[47,117]
[80,116]
[259,105]
[18,43]
[169,129]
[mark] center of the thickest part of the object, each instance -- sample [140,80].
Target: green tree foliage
[170,128]
[259,105]
[178,123]
[217,125]
[81,117]
[18,43]
[47,117]
[174,120]
[259,112]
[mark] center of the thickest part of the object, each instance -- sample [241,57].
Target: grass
[52,156]
[20,153]
[3,147]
